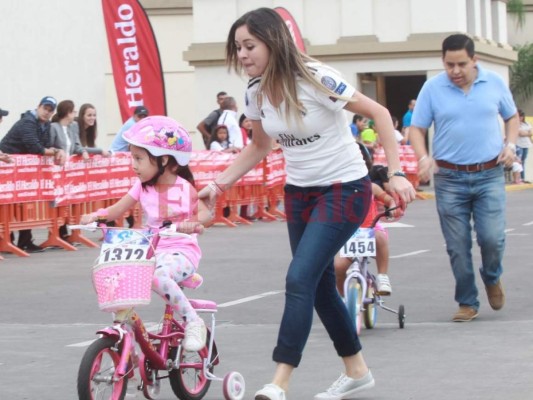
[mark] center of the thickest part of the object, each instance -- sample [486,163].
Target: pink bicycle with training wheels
[122,278]
[360,287]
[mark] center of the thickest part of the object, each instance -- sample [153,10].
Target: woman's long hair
[87,133]
[286,62]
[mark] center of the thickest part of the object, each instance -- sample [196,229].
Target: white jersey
[321,150]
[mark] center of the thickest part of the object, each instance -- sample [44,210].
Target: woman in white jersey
[300,102]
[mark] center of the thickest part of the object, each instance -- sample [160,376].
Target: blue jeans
[460,197]
[319,220]
[522,153]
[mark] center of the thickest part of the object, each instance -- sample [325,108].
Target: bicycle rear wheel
[354,297]
[97,367]
[371,311]
[189,381]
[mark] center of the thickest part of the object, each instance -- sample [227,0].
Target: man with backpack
[206,126]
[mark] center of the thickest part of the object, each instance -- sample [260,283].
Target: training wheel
[401,316]
[233,386]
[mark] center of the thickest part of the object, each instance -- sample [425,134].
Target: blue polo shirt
[467,127]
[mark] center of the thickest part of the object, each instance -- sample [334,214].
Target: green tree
[521,83]
[522,70]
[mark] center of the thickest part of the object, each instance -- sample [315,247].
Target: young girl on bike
[160,150]
[382,243]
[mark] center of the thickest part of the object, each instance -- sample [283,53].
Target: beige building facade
[386,48]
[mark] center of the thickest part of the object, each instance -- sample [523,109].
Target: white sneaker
[344,387]
[383,284]
[195,335]
[270,392]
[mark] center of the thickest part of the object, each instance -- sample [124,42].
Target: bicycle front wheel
[95,376]
[354,303]
[189,381]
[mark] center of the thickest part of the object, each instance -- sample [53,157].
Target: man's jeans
[320,220]
[461,196]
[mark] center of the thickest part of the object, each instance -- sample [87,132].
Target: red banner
[134,57]
[293,27]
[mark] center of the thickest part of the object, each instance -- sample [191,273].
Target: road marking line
[528,223]
[414,253]
[247,299]
[395,225]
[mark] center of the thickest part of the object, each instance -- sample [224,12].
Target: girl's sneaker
[383,285]
[195,335]
[345,387]
[270,392]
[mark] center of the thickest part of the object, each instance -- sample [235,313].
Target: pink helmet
[161,136]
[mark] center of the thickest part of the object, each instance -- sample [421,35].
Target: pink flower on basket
[111,283]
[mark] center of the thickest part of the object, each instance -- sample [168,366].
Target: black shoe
[32,248]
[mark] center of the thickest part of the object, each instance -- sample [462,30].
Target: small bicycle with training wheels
[122,278]
[360,288]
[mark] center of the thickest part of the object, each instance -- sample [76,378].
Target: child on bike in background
[160,150]
[342,264]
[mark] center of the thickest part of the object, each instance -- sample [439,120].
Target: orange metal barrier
[36,194]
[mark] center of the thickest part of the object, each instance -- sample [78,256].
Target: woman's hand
[405,191]
[209,195]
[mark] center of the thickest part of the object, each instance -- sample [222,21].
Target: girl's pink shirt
[177,204]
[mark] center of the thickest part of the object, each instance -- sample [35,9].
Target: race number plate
[124,245]
[361,244]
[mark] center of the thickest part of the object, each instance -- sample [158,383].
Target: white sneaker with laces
[270,392]
[383,284]
[345,387]
[195,335]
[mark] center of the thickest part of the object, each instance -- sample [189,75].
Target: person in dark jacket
[31,135]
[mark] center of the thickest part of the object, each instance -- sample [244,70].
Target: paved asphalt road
[49,315]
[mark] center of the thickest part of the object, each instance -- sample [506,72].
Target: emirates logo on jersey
[289,140]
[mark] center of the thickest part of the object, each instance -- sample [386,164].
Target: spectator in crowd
[88,130]
[119,144]
[206,126]
[397,134]
[219,140]
[406,120]
[4,157]
[64,132]
[229,118]
[369,137]
[246,129]
[523,143]
[464,103]
[358,125]
[31,135]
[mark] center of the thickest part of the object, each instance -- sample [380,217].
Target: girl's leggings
[170,270]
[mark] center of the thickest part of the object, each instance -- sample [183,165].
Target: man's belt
[468,168]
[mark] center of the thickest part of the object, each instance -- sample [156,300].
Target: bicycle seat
[203,305]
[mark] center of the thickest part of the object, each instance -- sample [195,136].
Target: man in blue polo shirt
[469,153]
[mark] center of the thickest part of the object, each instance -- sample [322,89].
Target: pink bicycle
[122,279]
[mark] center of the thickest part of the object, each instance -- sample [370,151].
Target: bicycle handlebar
[386,213]
[166,230]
